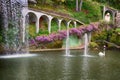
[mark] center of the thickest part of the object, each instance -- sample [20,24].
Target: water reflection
[85,68]
[106,70]
[22,73]
[14,69]
[50,66]
[66,69]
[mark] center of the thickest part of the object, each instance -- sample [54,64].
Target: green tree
[113,3]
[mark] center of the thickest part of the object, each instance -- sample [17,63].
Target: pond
[56,66]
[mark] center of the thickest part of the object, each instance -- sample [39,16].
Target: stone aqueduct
[113,12]
[59,20]
[49,18]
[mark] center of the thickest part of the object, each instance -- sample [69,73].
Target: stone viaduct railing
[49,17]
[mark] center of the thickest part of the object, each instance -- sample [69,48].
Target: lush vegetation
[91,11]
[107,35]
[44,40]
[112,3]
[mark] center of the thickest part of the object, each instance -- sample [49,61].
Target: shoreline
[57,49]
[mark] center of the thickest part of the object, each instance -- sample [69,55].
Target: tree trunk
[80,6]
[76,5]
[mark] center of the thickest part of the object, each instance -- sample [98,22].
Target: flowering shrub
[63,34]
[90,28]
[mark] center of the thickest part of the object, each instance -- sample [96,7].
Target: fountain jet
[86,45]
[67,43]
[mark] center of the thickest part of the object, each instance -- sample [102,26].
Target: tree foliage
[43,2]
[113,3]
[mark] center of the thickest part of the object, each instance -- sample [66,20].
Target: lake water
[56,66]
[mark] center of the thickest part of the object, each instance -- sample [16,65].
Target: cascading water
[12,26]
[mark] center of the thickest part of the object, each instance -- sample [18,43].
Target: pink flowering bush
[44,39]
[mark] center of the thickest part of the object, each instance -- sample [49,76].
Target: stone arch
[71,24]
[110,13]
[54,24]
[43,24]
[63,25]
[78,24]
[31,19]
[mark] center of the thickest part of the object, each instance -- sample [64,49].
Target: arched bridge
[36,16]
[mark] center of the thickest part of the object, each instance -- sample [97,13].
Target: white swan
[101,54]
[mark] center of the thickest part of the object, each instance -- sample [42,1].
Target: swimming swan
[101,54]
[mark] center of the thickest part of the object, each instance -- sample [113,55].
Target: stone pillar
[118,19]
[23,33]
[68,23]
[75,24]
[104,12]
[37,25]
[59,24]
[24,14]
[49,24]
[113,17]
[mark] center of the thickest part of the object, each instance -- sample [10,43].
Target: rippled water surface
[56,66]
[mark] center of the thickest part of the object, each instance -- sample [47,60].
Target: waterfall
[12,26]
